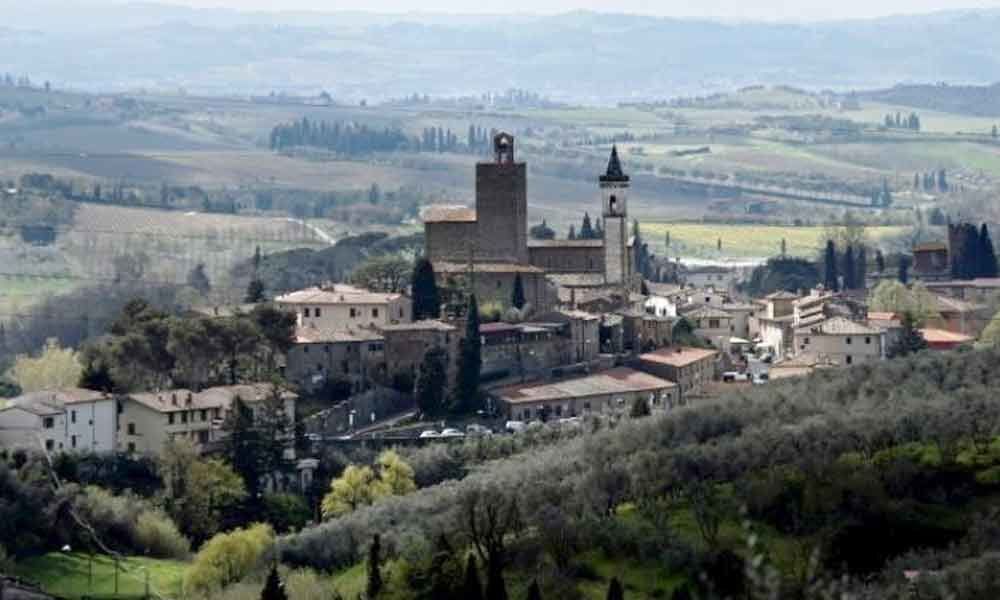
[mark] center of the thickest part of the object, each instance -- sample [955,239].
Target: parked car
[733,376]
[451,433]
[477,429]
[761,378]
[515,426]
[430,433]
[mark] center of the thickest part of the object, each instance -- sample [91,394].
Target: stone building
[352,355]
[690,368]
[344,306]
[489,245]
[406,344]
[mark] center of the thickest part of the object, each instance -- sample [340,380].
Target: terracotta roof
[336,294]
[678,357]
[947,304]
[217,397]
[882,316]
[565,243]
[663,289]
[310,334]
[448,214]
[620,380]
[485,267]
[58,398]
[840,326]
[425,325]
[930,247]
[942,336]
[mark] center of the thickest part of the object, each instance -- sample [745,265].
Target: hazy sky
[738,9]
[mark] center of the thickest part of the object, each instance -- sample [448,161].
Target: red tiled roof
[613,381]
[678,357]
[448,214]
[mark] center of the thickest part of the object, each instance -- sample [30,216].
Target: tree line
[898,121]
[972,252]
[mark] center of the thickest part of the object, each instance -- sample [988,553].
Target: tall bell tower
[614,198]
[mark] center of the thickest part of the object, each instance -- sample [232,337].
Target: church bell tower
[614,198]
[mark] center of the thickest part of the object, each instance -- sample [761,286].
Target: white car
[761,378]
[515,426]
[477,429]
[451,433]
[733,376]
[430,433]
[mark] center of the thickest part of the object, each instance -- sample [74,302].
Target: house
[930,260]
[354,355]
[711,324]
[842,341]
[799,366]
[407,343]
[343,306]
[958,316]
[723,278]
[980,290]
[520,349]
[708,296]
[811,309]
[775,324]
[148,420]
[60,420]
[612,390]
[660,306]
[642,331]
[942,339]
[741,314]
[689,368]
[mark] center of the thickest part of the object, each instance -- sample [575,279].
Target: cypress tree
[273,588]
[910,339]
[615,591]
[518,301]
[470,362]
[586,230]
[426,299]
[971,250]
[987,254]
[861,264]
[831,280]
[572,233]
[496,588]
[374,585]
[534,593]
[904,269]
[850,269]
[471,588]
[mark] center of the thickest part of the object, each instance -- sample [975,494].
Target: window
[49,444]
[499,285]
[307,312]
[805,341]
[713,323]
[215,413]
[305,349]
[318,312]
[204,414]
[707,300]
[184,417]
[850,359]
[868,340]
[170,419]
[131,428]
[847,341]
[354,313]
[131,447]
[203,437]
[72,441]
[72,417]
[48,422]
[374,313]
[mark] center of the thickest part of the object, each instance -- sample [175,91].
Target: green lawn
[68,575]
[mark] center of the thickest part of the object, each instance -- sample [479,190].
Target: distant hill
[977,100]
[579,56]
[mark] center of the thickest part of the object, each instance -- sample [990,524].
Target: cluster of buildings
[593,337]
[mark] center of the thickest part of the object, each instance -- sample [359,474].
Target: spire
[614,172]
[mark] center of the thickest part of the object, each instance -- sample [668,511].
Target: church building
[490,245]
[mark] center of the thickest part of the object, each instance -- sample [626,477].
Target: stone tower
[502,205]
[614,197]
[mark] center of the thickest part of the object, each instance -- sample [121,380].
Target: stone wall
[568,259]
[502,212]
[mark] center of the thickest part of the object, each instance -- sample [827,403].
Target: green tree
[431,382]
[496,587]
[640,408]
[356,487]
[615,591]
[255,291]
[426,298]
[471,588]
[373,587]
[243,448]
[542,231]
[227,558]
[572,233]
[879,261]
[910,338]
[893,296]
[384,273]
[274,589]
[587,229]
[518,300]
[904,270]
[991,334]
[987,254]
[198,494]
[861,265]
[849,269]
[395,476]
[465,397]
[534,593]
[198,279]
[831,279]
[54,368]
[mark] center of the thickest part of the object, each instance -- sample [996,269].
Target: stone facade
[406,344]
[494,233]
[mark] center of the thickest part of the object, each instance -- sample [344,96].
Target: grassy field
[742,241]
[68,575]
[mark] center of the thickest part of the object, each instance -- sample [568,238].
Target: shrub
[228,558]
[156,535]
[286,512]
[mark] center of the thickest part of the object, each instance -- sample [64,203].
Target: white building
[842,342]
[344,306]
[60,420]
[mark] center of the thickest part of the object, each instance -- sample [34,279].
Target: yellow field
[742,241]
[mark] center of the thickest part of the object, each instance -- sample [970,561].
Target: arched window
[613,204]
